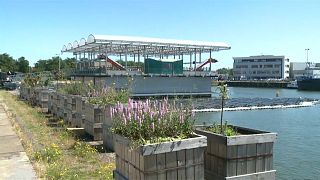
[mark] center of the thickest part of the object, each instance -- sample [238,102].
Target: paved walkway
[14,163]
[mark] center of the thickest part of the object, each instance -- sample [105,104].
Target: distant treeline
[7,63]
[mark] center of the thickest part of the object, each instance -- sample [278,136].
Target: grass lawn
[55,153]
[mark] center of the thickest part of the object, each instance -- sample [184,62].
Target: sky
[37,29]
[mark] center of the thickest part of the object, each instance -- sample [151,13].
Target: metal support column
[190,60]
[195,58]
[210,61]
[126,56]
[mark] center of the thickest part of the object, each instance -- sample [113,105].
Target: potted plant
[155,140]
[235,152]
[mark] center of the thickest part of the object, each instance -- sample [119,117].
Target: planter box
[23,92]
[107,135]
[70,109]
[169,160]
[42,98]
[245,156]
[94,117]
[62,105]
[54,98]
[80,107]
[51,102]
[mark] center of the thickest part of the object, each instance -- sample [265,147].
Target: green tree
[7,63]
[22,65]
[226,72]
[70,63]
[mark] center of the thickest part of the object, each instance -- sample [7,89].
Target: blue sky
[37,29]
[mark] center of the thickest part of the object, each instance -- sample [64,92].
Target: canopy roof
[117,45]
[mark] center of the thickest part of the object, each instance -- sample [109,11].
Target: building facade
[261,67]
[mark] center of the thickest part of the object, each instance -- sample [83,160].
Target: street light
[307,56]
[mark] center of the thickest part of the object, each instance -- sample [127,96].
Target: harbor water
[297,149]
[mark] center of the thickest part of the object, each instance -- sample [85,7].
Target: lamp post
[307,56]
[308,66]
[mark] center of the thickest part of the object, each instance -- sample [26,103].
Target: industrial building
[261,67]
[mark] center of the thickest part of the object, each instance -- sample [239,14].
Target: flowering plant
[152,121]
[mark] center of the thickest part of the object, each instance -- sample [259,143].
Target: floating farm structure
[164,67]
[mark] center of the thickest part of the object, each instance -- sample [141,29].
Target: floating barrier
[302,104]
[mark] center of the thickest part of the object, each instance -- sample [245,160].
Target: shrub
[152,122]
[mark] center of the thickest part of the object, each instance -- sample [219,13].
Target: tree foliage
[7,63]
[225,71]
[131,63]
[52,64]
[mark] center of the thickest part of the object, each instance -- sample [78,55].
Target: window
[277,66]
[254,66]
[268,66]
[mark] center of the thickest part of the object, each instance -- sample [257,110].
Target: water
[297,149]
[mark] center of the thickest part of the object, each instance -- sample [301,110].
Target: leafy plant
[227,130]
[152,122]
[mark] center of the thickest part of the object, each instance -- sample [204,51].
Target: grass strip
[55,153]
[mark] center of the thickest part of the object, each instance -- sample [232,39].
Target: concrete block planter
[51,102]
[70,109]
[245,156]
[107,135]
[94,117]
[168,160]
[62,105]
[80,107]
[23,92]
[54,98]
[42,97]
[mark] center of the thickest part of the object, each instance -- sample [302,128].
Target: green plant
[105,171]
[82,149]
[49,154]
[152,122]
[227,130]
